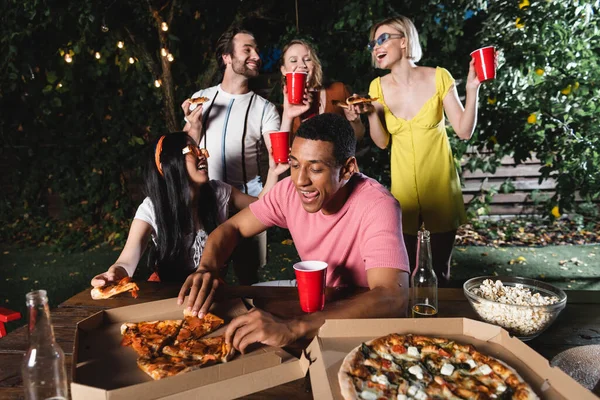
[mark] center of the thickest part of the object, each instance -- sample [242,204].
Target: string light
[131,60]
[164,52]
[59,85]
[157,83]
[120,44]
[170,57]
[97,55]
[164,26]
[68,58]
[104,28]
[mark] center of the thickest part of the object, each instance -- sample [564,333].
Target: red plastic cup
[310,276]
[485,63]
[296,83]
[280,145]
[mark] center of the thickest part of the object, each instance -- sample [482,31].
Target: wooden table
[578,324]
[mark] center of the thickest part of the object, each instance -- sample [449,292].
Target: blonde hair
[406,27]
[316,80]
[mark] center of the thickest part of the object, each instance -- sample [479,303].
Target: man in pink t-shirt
[334,214]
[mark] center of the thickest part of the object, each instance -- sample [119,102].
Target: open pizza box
[103,369]
[338,337]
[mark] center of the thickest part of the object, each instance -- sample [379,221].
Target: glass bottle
[423,281]
[43,369]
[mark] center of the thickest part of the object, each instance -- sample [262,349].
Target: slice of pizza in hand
[208,350]
[195,101]
[148,337]
[115,288]
[352,100]
[165,366]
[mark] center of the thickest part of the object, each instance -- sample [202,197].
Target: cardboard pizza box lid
[337,338]
[103,369]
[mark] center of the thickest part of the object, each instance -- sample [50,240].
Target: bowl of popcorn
[524,307]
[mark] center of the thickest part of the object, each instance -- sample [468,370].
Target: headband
[157,153]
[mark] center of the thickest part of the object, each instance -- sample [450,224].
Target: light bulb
[157,83]
[164,26]
[170,57]
[68,58]
[120,44]
[97,55]
[131,60]
[163,52]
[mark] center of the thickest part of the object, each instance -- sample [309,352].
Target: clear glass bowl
[524,322]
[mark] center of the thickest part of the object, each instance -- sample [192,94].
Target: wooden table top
[577,325]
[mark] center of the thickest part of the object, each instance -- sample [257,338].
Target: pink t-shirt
[366,233]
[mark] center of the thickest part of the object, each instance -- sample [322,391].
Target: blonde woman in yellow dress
[410,114]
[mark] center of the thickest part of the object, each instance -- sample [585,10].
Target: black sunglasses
[384,37]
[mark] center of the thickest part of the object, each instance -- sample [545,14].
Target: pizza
[208,350]
[148,337]
[420,367]
[163,367]
[171,347]
[114,288]
[353,100]
[196,101]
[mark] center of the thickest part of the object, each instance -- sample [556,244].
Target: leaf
[287,242]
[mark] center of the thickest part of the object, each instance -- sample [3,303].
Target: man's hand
[193,118]
[259,326]
[114,274]
[202,285]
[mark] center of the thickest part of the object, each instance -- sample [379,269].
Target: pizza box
[103,369]
[337,338]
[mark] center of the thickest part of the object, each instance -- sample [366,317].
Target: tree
[545,98]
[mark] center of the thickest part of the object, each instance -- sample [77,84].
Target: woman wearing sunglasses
[181,208]
[411,107]
[299,55]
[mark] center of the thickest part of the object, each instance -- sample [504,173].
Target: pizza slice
[114,288]
[165,366]
[148,337]
[355,99]
[208,350]
[195,328]
[196,101]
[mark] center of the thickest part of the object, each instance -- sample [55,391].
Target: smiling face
[319,180]
[244,59]
[298,58]
[392,50]
[196,164]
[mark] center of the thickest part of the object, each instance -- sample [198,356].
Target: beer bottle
[424,283]
[43,369]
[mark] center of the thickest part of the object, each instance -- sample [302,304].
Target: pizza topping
[417,371]
[485,369]
[421,395]
[472,363]
[413,351]
[381,379]
[447,369]
[500,388]
[368,395]
[444,353]
[401,397]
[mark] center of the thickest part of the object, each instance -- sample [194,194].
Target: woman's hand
[202,285]
[472,80]
[114,274]
[291,111]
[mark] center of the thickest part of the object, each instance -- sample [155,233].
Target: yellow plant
[492,100]
[539,71]
[532,119]
[566,91]
[556,212]
[523,4]
[519,24]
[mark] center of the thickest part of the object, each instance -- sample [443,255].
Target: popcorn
[525,320]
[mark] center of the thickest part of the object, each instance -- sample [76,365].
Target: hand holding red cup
[485,63]
[280,146]
[296,84]
[311,276]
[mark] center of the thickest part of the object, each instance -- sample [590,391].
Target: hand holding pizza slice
[111,289]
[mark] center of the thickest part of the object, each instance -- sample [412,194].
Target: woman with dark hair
[411,110]
[299,55]
[181,208]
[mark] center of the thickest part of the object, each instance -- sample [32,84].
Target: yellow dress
[424,178]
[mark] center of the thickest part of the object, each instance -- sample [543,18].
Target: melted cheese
[381,379]
[368,395]
[401,397]
[447,369]
[485,369]
[471,363]
[417,371]
[413,351]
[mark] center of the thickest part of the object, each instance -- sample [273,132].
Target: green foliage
[544,100]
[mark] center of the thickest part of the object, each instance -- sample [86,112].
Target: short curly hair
[331,128]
